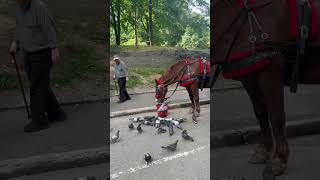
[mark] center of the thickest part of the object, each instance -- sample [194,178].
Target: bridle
[249,9]
[160,86]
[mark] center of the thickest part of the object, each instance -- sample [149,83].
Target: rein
[184,69]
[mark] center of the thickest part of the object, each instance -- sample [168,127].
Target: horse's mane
[172,71]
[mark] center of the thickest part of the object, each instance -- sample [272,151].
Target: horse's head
[161,90]
[231,27]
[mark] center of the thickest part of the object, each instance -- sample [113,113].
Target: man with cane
[121,74]
[36,37]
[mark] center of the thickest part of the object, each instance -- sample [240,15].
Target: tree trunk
[150,23]
[136,25]
[118,24]
[114,22]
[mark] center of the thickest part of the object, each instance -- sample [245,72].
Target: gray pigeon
[115,137]
[139,129]
[171,147]
[194,119]
[161,130]
[131,126]
[170,126]
[267,173]
[147,158]
[186,136]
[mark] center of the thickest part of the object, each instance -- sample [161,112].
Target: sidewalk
[85,128]
[233,109]
[148,100]
[303,161]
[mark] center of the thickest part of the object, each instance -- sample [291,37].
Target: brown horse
[264,86]
[186,73]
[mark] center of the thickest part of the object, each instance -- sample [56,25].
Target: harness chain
[186,67]
[252,39]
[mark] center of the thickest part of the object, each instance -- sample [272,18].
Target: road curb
[153,109]
[249,135]
[106,99]
[52,162]
[231,87]
[88,101]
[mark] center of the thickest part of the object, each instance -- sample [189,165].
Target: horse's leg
[271,85]
[195,93]
[262,151]
[191,110]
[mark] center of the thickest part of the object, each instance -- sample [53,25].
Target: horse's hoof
[278,167]
[260,155]
[258,158]
[191,110]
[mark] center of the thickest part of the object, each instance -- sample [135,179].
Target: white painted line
[157,162]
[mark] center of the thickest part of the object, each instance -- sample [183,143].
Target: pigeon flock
[158,123]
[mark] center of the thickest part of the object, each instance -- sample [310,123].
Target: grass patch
[141,77]
[8,83]
[79,40]
[79,65]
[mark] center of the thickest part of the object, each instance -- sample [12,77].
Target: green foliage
[194,40]
[8,82]
[171,19]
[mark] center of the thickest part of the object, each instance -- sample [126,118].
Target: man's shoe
[121,101]
[129,98]
[34,126]
[58,118]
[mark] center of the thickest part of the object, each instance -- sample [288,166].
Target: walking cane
[115,84]
[21,86]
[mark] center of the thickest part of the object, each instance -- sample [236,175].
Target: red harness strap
[314,22]
[294,20]
[204,65]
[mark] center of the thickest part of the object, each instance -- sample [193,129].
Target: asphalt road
[189,161]
[233,109]
[303,161]
[85,128]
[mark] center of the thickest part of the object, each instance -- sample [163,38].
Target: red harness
[294,20]
[243,55]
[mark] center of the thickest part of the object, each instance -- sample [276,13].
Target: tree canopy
[171,23]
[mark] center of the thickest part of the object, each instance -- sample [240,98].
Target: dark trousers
[43,103]
[122,88]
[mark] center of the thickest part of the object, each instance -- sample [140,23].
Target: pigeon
[186,136]
[267,173]
[171,147]
[131,126]
[139,129]
[181,120]
[194,119]
[147,158]
[170,126]
[161,130]
[115,137]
